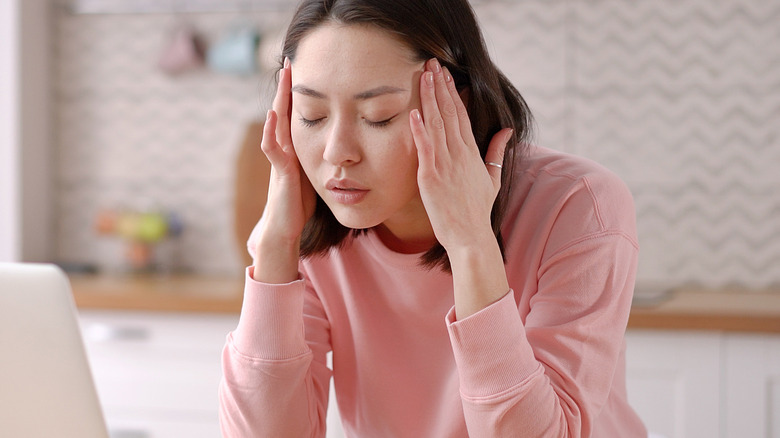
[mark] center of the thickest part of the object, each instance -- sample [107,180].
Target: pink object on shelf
[184,52]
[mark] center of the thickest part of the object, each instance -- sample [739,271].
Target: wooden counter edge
[158,294]
[727,310]
[158,304]
[647,319]
[89,295]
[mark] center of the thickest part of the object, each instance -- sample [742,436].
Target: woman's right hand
[291,198]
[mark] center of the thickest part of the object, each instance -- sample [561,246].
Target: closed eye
[381,123]
[310,123]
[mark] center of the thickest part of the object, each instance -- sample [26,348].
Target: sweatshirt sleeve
[551,376]
[275,378]
[548,373]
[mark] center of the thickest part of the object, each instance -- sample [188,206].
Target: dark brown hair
[448,31]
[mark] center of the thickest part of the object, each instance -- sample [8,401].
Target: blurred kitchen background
[122,122]
[681,99]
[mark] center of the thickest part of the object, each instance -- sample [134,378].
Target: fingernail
[416,115]
[436,66]
[509,135]
[286,62]
[447,76]
[429,78]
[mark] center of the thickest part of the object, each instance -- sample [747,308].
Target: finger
[432,119]
[495,155]
[281,105]
[464,122]
[276,156]
[446,104]
[425,150]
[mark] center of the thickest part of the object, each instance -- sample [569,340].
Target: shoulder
[548,169]
[568,197]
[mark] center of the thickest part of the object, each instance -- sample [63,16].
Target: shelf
[146,7]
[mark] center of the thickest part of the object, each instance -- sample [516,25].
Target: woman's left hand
[457,187]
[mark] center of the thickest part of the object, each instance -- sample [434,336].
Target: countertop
[679,309]
[165,293]
[734,310]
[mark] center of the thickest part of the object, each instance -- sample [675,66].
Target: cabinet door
[673,381]
[128,426]
[157,375]
[752,386]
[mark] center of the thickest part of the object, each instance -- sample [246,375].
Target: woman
[467,284]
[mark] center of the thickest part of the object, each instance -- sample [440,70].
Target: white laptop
[46,388]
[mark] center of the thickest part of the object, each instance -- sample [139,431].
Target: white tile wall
[131,137]
[680,98]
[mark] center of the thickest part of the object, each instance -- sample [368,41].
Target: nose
[342,147]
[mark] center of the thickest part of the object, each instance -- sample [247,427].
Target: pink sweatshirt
[546,360]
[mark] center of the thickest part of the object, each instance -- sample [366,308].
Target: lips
[345,191]
[344,184]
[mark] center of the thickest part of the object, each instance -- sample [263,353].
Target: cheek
[399,157]
[398,137]
[297,139]
[304,144]
[309,156]
[405,147]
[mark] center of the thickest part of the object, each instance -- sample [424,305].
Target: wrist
[472,257]
[473,244]
[276,259]
[269,240]
[479,276]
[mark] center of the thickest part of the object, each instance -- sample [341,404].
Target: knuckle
[267,145]
[427,176]
[449,110]
[462,111]
[437,123]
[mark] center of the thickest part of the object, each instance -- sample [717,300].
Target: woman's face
[353,88]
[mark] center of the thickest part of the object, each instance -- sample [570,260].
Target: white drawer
[155,379]
[135,427]
[190,332]
[156,364]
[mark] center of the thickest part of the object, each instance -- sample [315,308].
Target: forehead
[351,57]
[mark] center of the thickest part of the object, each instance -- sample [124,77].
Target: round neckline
[387,255]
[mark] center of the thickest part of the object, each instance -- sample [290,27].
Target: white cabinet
[157,374]
[673,381]
[752,388]
[701,384]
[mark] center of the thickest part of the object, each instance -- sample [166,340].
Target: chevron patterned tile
[680,98]
[130,137]
[527,40]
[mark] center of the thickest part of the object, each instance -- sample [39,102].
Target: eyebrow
[374,92]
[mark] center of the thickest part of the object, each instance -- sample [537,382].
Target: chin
[354,220]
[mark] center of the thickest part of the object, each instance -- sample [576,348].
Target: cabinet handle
[107,333]
[129,433]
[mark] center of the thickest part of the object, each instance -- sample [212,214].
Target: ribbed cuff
[491,349]
[271,322]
